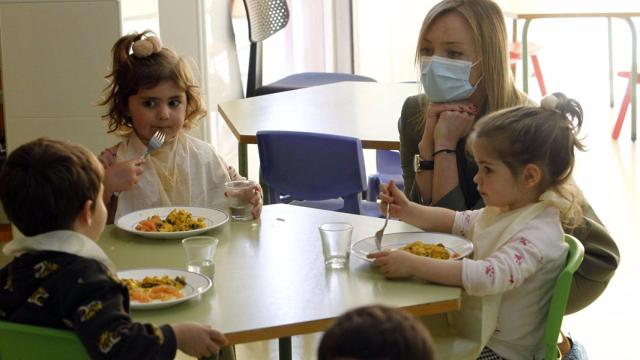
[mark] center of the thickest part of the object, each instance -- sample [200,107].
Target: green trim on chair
[560,297]
[21,341]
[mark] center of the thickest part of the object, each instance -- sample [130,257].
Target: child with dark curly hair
[152,89]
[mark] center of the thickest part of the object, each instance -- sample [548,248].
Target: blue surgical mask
[446,80]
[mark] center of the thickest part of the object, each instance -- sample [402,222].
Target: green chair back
[20,341]
[560,297]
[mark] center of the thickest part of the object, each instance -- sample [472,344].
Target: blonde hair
[490,36]
[131,73]
[542,135]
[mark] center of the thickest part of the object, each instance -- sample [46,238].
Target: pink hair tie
[147,46]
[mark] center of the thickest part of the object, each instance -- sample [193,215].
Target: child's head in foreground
[376,332]
[533,141]
[140,62]
[48,185]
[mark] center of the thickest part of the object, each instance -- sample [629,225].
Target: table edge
[308,327]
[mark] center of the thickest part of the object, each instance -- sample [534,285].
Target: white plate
[212,217]
[456,244]
[196,285]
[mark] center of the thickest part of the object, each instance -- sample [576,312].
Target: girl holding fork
[525,158]
[152,89]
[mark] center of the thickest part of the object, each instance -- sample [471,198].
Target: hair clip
[147,46]
[549,102]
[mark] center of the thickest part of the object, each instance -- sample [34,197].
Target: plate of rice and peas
[430,244]
[155,288]
[172,222]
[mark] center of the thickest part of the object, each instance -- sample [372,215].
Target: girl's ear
[532,175]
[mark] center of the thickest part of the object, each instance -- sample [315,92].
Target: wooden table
[547,9]
[271,281]
[365,110]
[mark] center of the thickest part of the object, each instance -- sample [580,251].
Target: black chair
[265,18]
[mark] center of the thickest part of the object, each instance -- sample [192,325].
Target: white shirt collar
[65,241]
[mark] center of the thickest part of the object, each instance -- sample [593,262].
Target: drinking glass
[239,194]
[336,242]
[200,251]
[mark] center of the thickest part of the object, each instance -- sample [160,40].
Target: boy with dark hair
[59,277]
[376,332]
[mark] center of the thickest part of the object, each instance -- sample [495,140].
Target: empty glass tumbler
[336,243]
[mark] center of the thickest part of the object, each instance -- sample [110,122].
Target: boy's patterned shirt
[65,291]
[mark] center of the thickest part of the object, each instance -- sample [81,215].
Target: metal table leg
[525,57]
[284,348]
[610,39]
[243,160]
[634,76]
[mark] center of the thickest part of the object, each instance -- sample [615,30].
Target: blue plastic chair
[314,170]
[388,167]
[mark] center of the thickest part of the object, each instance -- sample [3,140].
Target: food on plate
[177,220]
[436,251]
[151,288]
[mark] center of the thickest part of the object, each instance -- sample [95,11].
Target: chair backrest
[312,166]
[560,297]
[388,162]
[264,18]
[21,341]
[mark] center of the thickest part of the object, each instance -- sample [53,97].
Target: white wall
[54,58]
[385,37]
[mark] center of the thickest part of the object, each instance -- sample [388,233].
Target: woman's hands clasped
[446,124]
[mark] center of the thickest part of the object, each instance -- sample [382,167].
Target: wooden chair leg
[623,111]
[538,72]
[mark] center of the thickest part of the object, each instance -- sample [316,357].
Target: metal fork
[155,142]
[381,231]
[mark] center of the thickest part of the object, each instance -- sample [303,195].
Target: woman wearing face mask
[462,55]
[465,74]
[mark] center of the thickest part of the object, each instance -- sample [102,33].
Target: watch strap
[425,165]
[420,164]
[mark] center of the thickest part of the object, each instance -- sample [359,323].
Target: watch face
[416,163]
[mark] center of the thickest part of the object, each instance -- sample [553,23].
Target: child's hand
[394,264]
[389,193]
[123,176]
[256,201]
[198,340]
[108,156]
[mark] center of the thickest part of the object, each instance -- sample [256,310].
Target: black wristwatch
[419,164]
